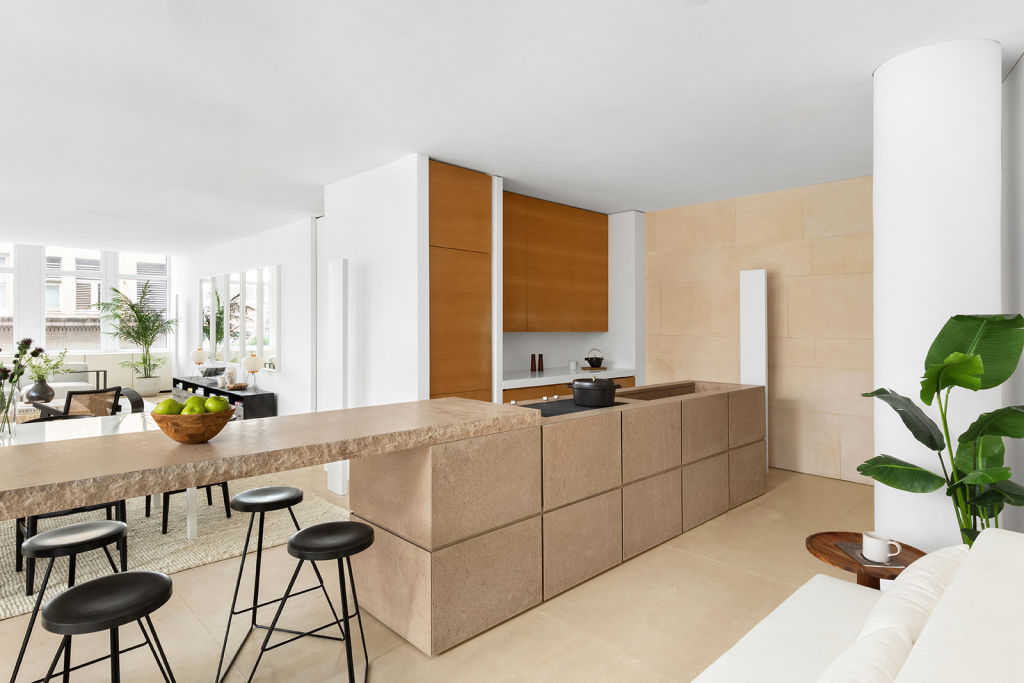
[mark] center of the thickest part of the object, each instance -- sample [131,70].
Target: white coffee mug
[876,547]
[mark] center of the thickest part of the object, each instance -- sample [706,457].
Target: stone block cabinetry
[475,531]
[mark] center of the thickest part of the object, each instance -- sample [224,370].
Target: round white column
[937,189]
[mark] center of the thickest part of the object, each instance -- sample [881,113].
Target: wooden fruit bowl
[193,428]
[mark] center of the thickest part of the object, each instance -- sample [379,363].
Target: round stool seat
[106,603]
[330,541]
[74,538]
[266,498]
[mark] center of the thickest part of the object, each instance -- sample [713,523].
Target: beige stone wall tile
[839,208]
[830,306]
[720,349]
[778,317]
[675,346]
[792,352]
[581,540]
[685,309]
[699,226]
[484,483]
[660,370]
[465,596]
[771,217]
[394,580]
[406,475]
[651,512]
[653,307]
[651,439]
[853,354]
[857,438]
[714,224]
[782,258]
[794,387]
[581,457]
[841,392]
[846,254]
[705,426]
[723,308]
[691,266]
[716,371]
[705,490]
[747,419]
[806,442]
[747,470]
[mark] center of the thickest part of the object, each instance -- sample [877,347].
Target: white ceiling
[172,124]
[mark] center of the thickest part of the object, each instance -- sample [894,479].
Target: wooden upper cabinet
[515,238]
[460,208]
[555,267]
[460,322]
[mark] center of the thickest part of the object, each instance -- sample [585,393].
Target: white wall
[937,235]
[623,343]
[289,246]
[1013,252]
[377,222]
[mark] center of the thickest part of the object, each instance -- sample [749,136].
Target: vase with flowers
[10,376]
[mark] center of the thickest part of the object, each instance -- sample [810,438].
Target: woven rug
[219,538]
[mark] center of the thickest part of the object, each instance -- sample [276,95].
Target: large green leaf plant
[974,352]
[140,323]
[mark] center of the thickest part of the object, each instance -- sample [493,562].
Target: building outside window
[74,285]
[134,270]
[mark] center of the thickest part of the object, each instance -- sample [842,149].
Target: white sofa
[971,608]
[75,379]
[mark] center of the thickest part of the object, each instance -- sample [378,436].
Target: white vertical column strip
[754,330]
[29,293]
[313,333]
[640,295]
[497,287]
[260,304]
[110,264]
[423,275]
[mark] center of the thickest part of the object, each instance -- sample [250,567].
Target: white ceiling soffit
[172,124]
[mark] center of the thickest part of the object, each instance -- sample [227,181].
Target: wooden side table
[823,546]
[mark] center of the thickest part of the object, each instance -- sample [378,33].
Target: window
[74,285]
[134,271]
[6,297]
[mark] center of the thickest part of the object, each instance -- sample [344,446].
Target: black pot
[593,392]
[40,392]
[595,361]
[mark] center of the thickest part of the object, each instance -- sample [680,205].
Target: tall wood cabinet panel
[555,267]
[460,208]
[460,321]
[515,231]
[460,282]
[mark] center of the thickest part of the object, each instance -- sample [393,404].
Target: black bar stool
[329,541]
[106,604]
[68,541]
[259,501]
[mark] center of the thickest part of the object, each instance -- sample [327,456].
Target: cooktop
[563,407]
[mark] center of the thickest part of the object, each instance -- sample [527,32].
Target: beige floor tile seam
[739,567]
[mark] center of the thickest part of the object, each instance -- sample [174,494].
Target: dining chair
[93,402]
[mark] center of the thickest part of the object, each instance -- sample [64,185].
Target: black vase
[40,392]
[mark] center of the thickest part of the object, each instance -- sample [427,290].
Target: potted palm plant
[139,323]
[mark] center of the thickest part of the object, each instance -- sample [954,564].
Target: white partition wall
[936,244]
[754,330]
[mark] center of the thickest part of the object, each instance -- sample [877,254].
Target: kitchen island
[472,532]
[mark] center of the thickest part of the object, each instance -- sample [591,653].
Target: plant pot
[147,386]
[40,392]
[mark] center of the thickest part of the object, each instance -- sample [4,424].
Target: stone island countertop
[134,458]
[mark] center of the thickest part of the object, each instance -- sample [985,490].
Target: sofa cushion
[874,658]
[800,638]
[910,599]
[974,632]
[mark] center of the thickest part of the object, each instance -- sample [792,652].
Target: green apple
[193,409]
[216,404]
[168,406]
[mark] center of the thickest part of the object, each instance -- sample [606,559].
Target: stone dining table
[57,465]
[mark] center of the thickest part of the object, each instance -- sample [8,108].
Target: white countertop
[516,379]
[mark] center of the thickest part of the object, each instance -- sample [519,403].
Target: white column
[937,191]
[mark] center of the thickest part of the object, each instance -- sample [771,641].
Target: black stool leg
[344,616]
[149,502]
[259,561]
[209,495]
[31,526]
[234,602]
[122,509]
[160,659]
[65,641]
[115,657]
[166,502]
[19,538]
[273,624]
[359,614]
[227,499]
[32,620]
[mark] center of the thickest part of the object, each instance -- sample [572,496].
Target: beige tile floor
[662,616]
